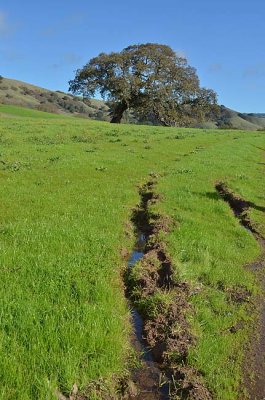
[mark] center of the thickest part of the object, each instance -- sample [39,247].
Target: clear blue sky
[44,42]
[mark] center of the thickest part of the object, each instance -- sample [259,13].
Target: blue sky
[44,42]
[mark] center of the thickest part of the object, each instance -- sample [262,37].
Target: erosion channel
[150,380]
[159,303]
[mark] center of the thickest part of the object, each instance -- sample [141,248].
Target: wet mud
[149,380]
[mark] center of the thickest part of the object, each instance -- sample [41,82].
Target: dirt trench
[162,301]
[254,368]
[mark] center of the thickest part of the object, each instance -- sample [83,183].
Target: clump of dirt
[168,333]
[237,327]
[143,281]
[188,385]
[153,273]
[238,294]
[117,388]
[125,253]
[162,224]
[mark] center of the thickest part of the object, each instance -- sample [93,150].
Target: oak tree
[150,79]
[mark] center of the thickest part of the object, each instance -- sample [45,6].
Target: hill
[247,121]
[13,92]
[17,93]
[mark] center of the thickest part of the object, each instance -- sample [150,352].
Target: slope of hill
[13,92]
[258,115]
[7,110]
[17,93]
[232,119]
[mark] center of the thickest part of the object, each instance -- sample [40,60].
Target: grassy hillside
[13,92]
[256,119]
[16,111]
[233,119]
[68,187]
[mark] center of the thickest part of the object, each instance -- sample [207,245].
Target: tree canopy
[150,79]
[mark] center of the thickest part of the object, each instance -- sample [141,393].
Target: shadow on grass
[216,196]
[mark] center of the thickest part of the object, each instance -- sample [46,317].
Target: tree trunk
[118,112]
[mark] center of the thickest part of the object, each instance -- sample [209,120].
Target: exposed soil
[254,368]
[162,300]
[188,384]
[239,206]
[238,294]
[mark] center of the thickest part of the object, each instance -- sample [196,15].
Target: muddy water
[149,378]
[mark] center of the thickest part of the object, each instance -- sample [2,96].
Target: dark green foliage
[149,78]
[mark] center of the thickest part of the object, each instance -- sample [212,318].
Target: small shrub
[55,158]
[102,169]
[184,171]
[81,139]
[47,107]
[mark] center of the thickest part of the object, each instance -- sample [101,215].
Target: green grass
[26,112]
[209,247]
[67,190]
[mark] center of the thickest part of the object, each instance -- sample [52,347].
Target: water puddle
[138,251]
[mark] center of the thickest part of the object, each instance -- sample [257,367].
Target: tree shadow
[210,195]
[256,207]
[215,196]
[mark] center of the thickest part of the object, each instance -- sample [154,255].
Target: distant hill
[258,115]
[13,92]
[232,119]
